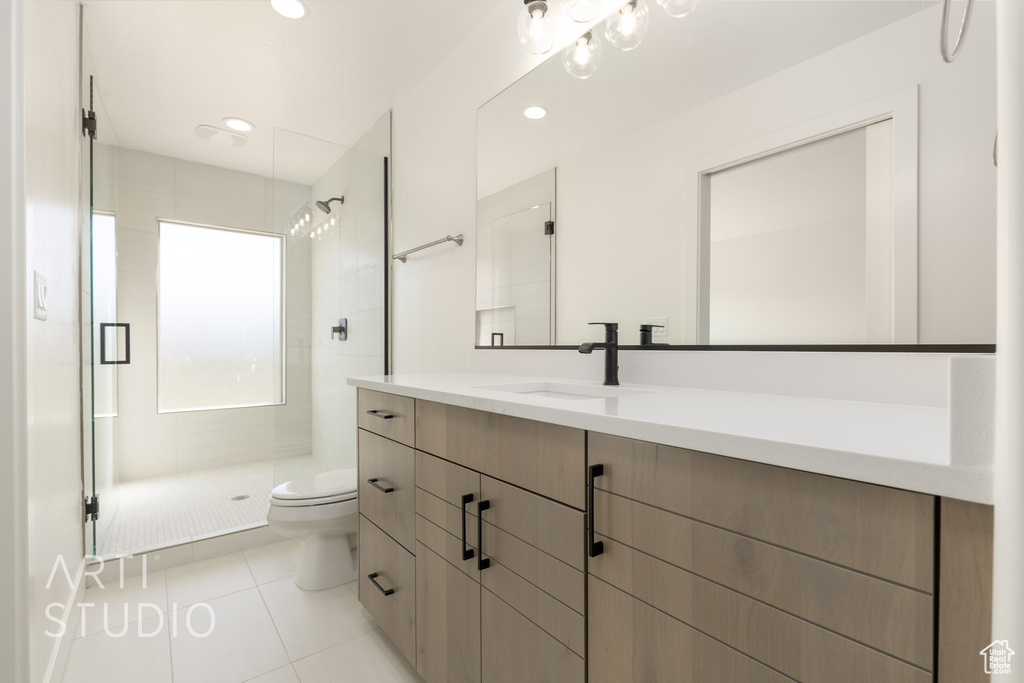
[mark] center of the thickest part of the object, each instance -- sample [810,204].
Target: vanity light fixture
[535,27]
[241,125]
[677,9]
[290,9]
[581,58]
[535,112]
[627,27]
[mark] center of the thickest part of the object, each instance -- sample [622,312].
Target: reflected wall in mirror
[638,146]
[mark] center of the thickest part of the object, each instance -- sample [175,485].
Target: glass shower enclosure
[222,314]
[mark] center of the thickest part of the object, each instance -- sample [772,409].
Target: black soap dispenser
[646,334]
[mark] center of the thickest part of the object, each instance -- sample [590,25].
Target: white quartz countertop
[893,445]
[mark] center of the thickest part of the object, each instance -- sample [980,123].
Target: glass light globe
[535,28]
[677,8]
[581,58]
[583,11]
[627,27]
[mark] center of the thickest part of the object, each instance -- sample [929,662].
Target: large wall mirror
[760,172]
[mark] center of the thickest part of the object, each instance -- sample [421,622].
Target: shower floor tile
[186,507]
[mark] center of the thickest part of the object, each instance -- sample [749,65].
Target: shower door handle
[127,344]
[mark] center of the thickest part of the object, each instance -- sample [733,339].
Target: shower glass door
[335,295]
[104,341]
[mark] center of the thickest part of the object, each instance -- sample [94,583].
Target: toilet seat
[321,489]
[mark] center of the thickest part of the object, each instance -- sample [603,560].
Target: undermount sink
[564,391]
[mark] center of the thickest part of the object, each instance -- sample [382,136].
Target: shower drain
[240,497]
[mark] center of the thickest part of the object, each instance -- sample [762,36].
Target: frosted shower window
[220,318]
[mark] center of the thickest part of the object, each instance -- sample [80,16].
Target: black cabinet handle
[482,562]
[373,579]
[594,548]
[374,484]
[383,416]
[467,553]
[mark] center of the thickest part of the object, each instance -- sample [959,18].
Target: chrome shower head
[326,206]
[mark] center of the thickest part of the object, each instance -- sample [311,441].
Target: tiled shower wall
[347,274]
[151,444]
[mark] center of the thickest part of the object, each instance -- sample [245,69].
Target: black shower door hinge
[89,124]
[549,227]
[92,508]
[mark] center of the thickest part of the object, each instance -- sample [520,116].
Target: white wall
[53,136]
[435,194]
[14,603]
[152,187]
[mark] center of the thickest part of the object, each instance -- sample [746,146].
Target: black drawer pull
[374,484]
[467,553]
[594,548]
[373,579]
[482,562]
[383,416]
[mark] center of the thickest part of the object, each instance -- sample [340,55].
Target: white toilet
[321,512]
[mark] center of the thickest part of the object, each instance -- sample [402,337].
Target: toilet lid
[336,484]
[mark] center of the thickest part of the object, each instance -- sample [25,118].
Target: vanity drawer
[793,646]
[389,501]
[878,613]
[388,415]
[549,459]
[390,596]
[887,533]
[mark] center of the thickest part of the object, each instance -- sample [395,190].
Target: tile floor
[260,627]
[185,507]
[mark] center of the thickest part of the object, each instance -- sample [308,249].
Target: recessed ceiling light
[292,9]
[240,125]
[535,112]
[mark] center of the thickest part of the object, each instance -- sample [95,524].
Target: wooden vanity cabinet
[705,569]
[716,569]
[386,501]
[501,572]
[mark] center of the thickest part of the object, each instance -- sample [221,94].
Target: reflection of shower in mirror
[326,206]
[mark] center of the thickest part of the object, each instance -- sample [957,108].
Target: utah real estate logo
[997,657]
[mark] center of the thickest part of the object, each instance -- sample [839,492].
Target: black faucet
[646,332]
[611,352]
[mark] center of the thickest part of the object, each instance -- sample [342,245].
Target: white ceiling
[163,67]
